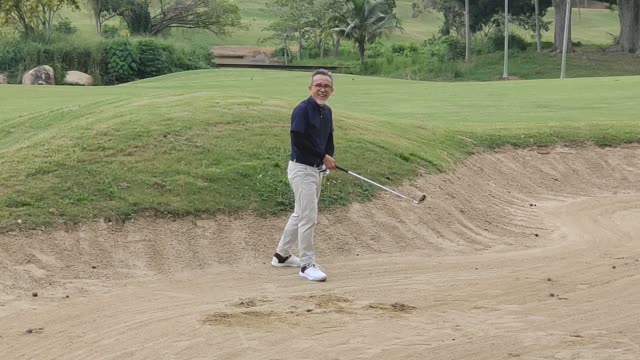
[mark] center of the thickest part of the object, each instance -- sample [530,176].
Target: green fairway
[216,141]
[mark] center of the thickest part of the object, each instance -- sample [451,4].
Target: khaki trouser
[305,182]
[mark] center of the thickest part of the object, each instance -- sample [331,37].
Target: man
[311,156]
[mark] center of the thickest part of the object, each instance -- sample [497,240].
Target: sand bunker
[529,254]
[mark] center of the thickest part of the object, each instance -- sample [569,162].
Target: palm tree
[364,21]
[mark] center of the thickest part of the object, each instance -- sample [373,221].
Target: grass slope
[216,141]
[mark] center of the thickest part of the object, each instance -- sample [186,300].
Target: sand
[516,254]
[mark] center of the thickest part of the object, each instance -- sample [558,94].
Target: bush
[83,57]
[108,61]
[311,53]
[192,59]
[413,67]
[445,48]
[35,54]
[493,41]
[157,58]
[109,31]
[65,27]
[121,61]
[62,56]
[404,49]
[375,50]
[280,51]
[10,55]
[153,59]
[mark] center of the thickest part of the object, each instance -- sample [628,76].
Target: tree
[97,9]
[216,16]
[453,13]
[137,15]
[419,7]
[483,12]
[365,21]
[103,10]
[282,33]
[293,22]
[629,14]
[34,16]
[560,7]
[388,6]
[19,13]
[322,22]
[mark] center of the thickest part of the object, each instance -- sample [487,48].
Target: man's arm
[328,159]
[330,148]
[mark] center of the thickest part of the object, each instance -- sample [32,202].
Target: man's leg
[290,233]
[306,226]
[309,190]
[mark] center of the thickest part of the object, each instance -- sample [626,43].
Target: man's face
[321,88]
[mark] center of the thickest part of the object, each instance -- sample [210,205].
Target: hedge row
[109,61]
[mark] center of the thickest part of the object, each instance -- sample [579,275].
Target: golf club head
[422,198]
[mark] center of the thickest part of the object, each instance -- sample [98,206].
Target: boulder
[78,78]
[3,79]
[42,75]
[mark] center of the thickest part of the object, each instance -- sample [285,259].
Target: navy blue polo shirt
[311,133]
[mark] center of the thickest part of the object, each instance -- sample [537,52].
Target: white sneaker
[312,272]
[288,261]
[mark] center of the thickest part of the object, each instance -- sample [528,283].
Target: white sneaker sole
[312,279]
[275,263]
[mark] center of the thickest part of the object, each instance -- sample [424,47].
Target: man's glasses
[321,86]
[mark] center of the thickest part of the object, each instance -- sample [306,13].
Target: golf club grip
[342,169]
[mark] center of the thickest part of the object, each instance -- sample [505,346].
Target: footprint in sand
[394,307]
[243,318]
[250,302]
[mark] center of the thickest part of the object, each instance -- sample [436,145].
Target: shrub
[109,31]
[404,49]
[108,61]
[10,55]
[375,50]
[121,61]
[153,59]
[445,48]
[493,41]
[65,27]
[192,59]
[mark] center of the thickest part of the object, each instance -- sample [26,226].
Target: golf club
[421,199]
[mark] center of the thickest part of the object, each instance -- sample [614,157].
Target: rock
[42,75]
[3,79]
[78,78]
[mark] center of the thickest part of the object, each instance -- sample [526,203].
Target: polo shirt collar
[315,104]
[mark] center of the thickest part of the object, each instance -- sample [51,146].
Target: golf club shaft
[373,183]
